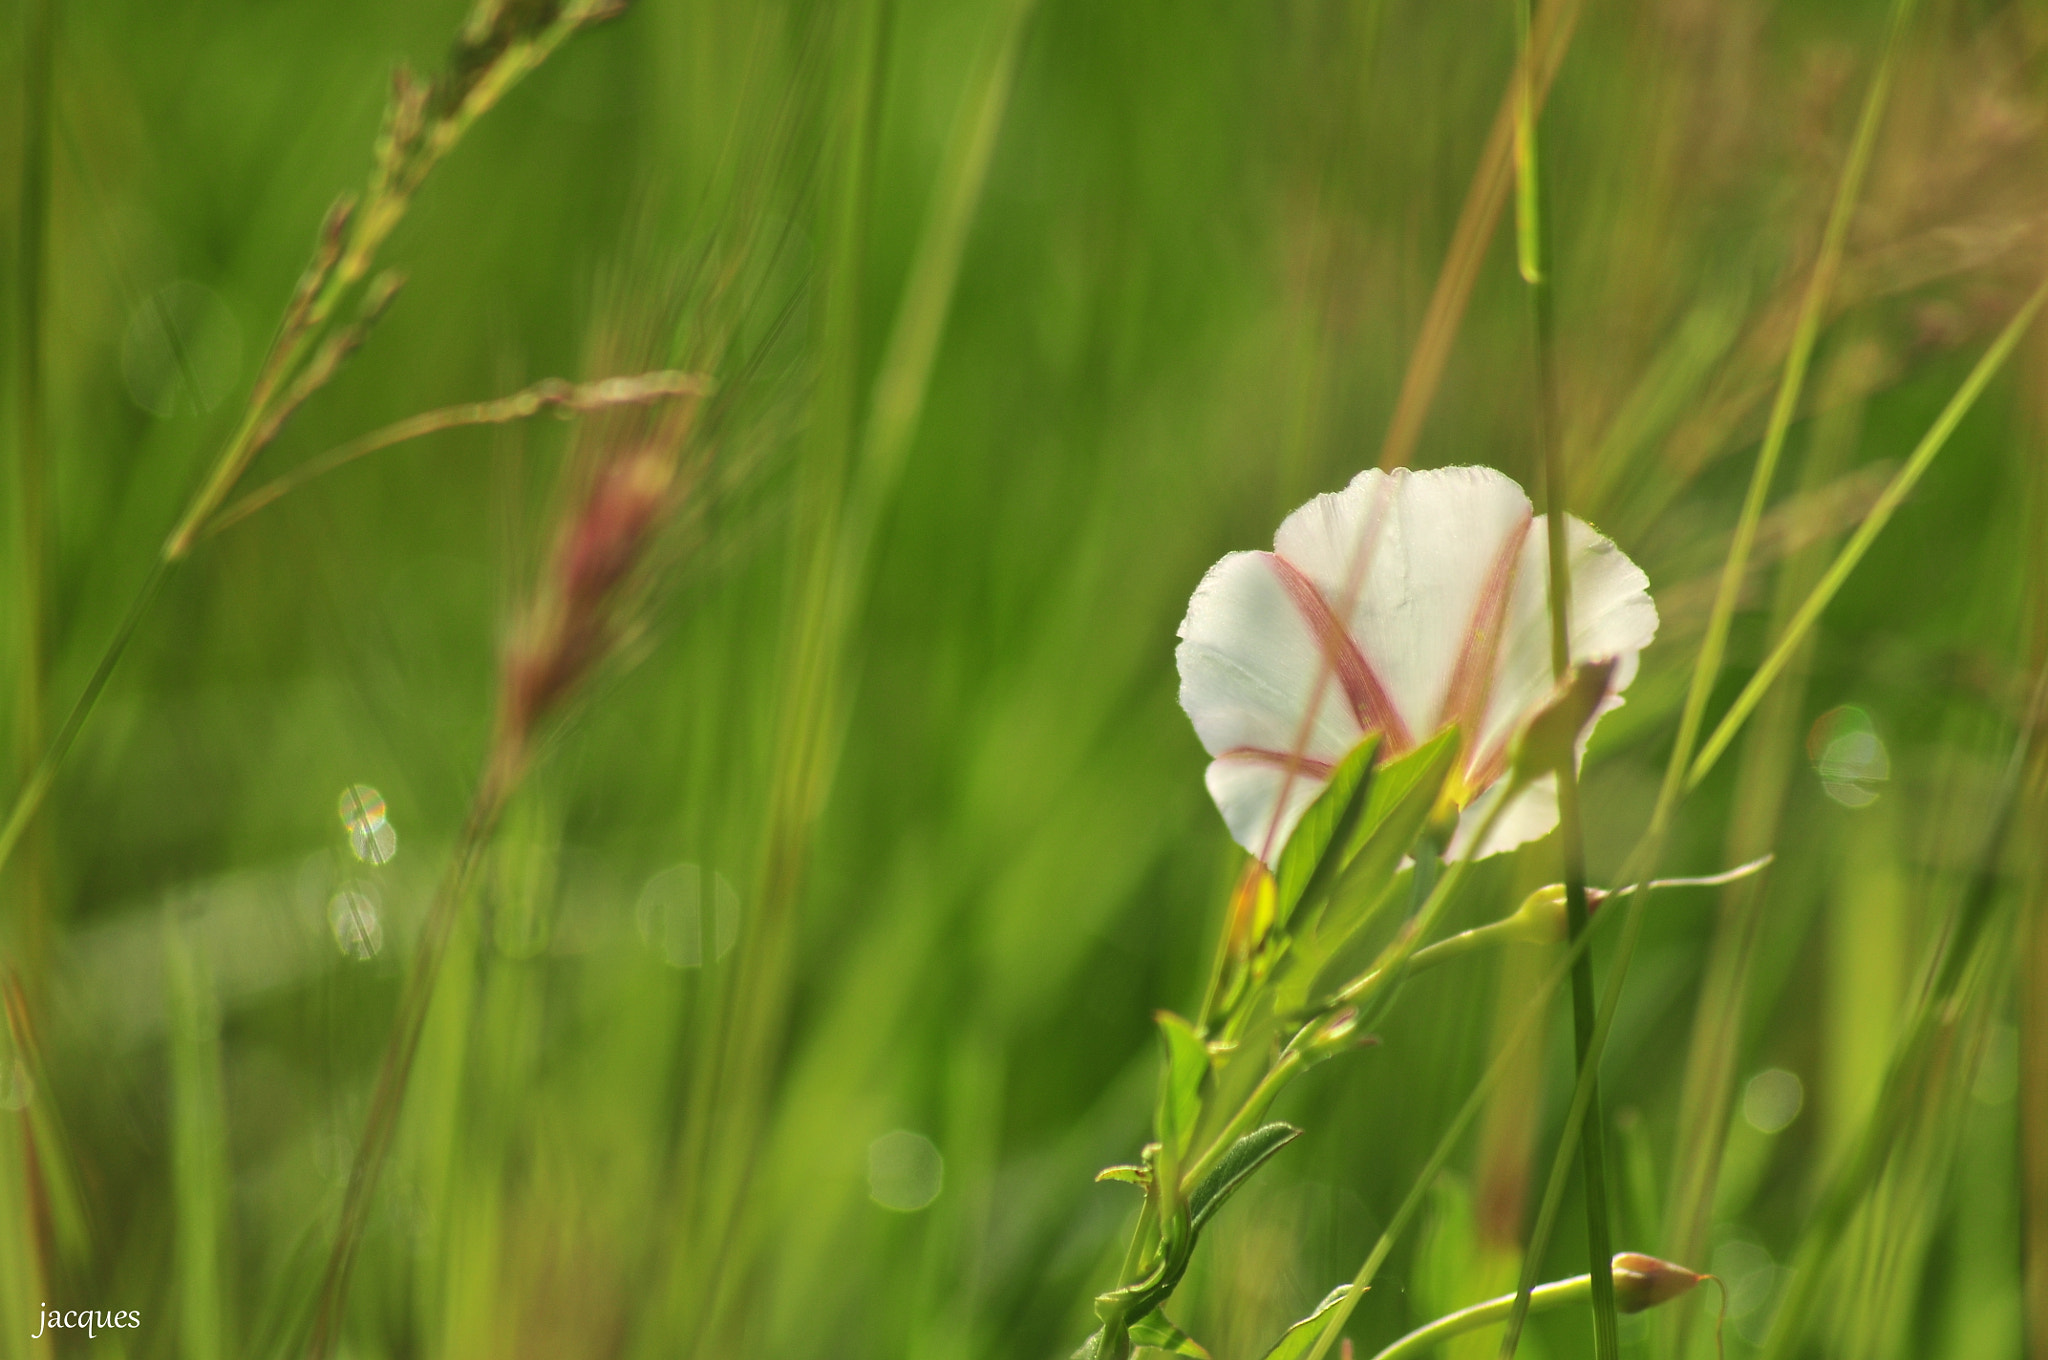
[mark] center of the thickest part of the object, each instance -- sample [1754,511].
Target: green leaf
[1157,1330]
[1301,1338]
[1307,865]
[1132,1175]
[1097,1346]
[1234,1167]
[1403,794]
[1180,1083]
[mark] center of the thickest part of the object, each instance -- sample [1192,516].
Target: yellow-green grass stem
[1820,288]
[1533,234]
[1930,1029]
[1873,524]
[1510,1053]
[1544,1298]
[1806,332]
[30,586]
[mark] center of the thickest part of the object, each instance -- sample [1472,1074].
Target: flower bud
[1644,1281]
[1252,907]
[1541,918]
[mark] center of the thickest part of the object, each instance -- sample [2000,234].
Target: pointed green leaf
[1180,1083]
[1403,794]
[1133,1175]
[1097,1347]
[1301,1338]
[1234,1167]
[1157,1330]
[1307,865]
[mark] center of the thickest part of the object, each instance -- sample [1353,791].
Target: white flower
[1404,603]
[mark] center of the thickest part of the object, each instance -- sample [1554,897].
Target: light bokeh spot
[371,836]
[1772,1099]
[353,917]
[1848,755]
[1752,1279]
[182,351]
[671,915]
[905,1171]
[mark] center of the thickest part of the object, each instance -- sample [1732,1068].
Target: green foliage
[1157,1330]
[1339,817]
[1180,1084]
[1234,1168]
[1403,794]
[1301,1338]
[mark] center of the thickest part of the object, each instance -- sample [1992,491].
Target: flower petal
[1612,616]
[1261,799]
[1530,817]
[1405,602]
[1249,663]
[1407,557]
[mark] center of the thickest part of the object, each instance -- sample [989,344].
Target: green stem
[1918,1055]
[1707,667]
[1806,331]
[1533,235]
[1510,1052]
[501,777]
[1543,1298]
[1894,494]
[37,786]
[32,456]
[1247,1117]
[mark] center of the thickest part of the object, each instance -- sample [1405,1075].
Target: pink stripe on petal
[1472,676]
[1369,702]
[1259,755]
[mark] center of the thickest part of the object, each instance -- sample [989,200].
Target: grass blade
[1806,331]
[1533,235]
[1895,492]
[199,1173]
[31,449]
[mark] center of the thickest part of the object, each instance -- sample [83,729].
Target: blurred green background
[666,1107]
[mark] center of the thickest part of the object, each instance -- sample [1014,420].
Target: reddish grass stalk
[575,623]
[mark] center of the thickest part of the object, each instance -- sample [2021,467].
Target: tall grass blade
[1512,1052]
[1925,1042]
[1872,524]
[1762,785]
[1533,237]
[1813,307]
[1484,199]
[30,586]
[199,1173]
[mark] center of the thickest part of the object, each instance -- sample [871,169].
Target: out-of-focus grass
[1187,292]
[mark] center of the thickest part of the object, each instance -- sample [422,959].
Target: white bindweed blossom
[1402,604]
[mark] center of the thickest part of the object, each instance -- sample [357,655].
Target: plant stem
[551,394]
[1248,1115]
[1770,757]
[1542,1299]
[1484,198]
[300,361]
[1813,305]
[37,786]
[1927,1033]
[1895,493]
[1649,850]
[32,455]
[1510,1053]
[501,777]
[1533,238]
